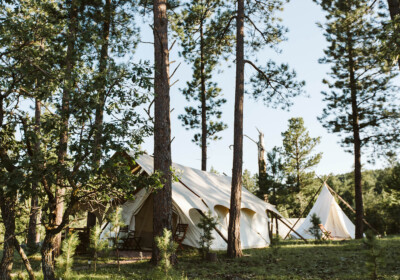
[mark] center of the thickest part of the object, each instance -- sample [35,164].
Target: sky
[301,51]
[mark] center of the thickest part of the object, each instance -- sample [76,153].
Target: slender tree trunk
[262,166]
[357,144]
[52,241]
[102,88]
[162,206]
[394,10]
[25,259]
[203,103]
[65,113]
[7,204]
[234,246]
[33,217]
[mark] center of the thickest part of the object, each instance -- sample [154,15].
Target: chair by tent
[196,193]
[332,218]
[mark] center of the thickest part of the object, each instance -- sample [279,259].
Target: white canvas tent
[202,191]
[332,217]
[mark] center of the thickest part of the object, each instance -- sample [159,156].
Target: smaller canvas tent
[195,193]
[332,217]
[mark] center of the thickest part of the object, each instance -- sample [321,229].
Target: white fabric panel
[332,217]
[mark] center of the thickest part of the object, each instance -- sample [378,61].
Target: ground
[290,260]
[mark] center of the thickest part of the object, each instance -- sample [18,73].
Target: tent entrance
[144,222]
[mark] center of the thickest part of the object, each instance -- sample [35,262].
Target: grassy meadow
[289,260]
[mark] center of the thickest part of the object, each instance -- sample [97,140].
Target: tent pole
[305,209]
[292,229]
[269,225]
[348,206]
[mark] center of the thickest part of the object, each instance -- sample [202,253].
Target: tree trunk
[357,144]
[32,237]
[101,88]
[203,104]
[394,10]
[234,246]
[25,259]
[262,166]
[162,206]
[47,256]
[7,204]
[52,242]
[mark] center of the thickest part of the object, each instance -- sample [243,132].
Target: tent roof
[332,217]
[202,190]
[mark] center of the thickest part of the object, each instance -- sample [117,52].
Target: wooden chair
[180,234]
[326,235]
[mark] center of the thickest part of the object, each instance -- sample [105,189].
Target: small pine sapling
[66,259]
[167,249]
[96,244]
[314,229]
[207,224]
[116,223]
[373,254]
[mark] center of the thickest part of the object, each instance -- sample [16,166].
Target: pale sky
[302,50]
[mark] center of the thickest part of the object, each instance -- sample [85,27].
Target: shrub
[314,229]
[167,249]
[207,224]
[66,259]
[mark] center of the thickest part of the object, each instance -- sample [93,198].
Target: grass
[293,260]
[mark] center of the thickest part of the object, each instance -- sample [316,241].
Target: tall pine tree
[200,27]
[361,105]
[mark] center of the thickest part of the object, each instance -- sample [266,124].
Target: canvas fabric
[199,190]
[332,217]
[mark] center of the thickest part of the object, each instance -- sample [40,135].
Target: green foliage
[207,225]
[374,253]
[275,246]
[250,182]
[117,223]
[200,28]
[298,152]
[96,244]
[167,249]
[314,229]
[353,30]
[66,260]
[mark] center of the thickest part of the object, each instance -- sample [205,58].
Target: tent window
[223,214]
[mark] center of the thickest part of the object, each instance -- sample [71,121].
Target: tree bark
[65,114]
[25,259]
[394,10]
[7,204]
[102,88]
[234,245]
[47,256]
[32,237]
[52,241]
[162,206]
[203,103]
[357,144]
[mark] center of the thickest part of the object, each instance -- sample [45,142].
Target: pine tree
[361,103]
[162,210]
[298,148]
[199,26]
[273,84]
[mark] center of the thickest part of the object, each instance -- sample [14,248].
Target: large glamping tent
[196,193]
[332,218]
